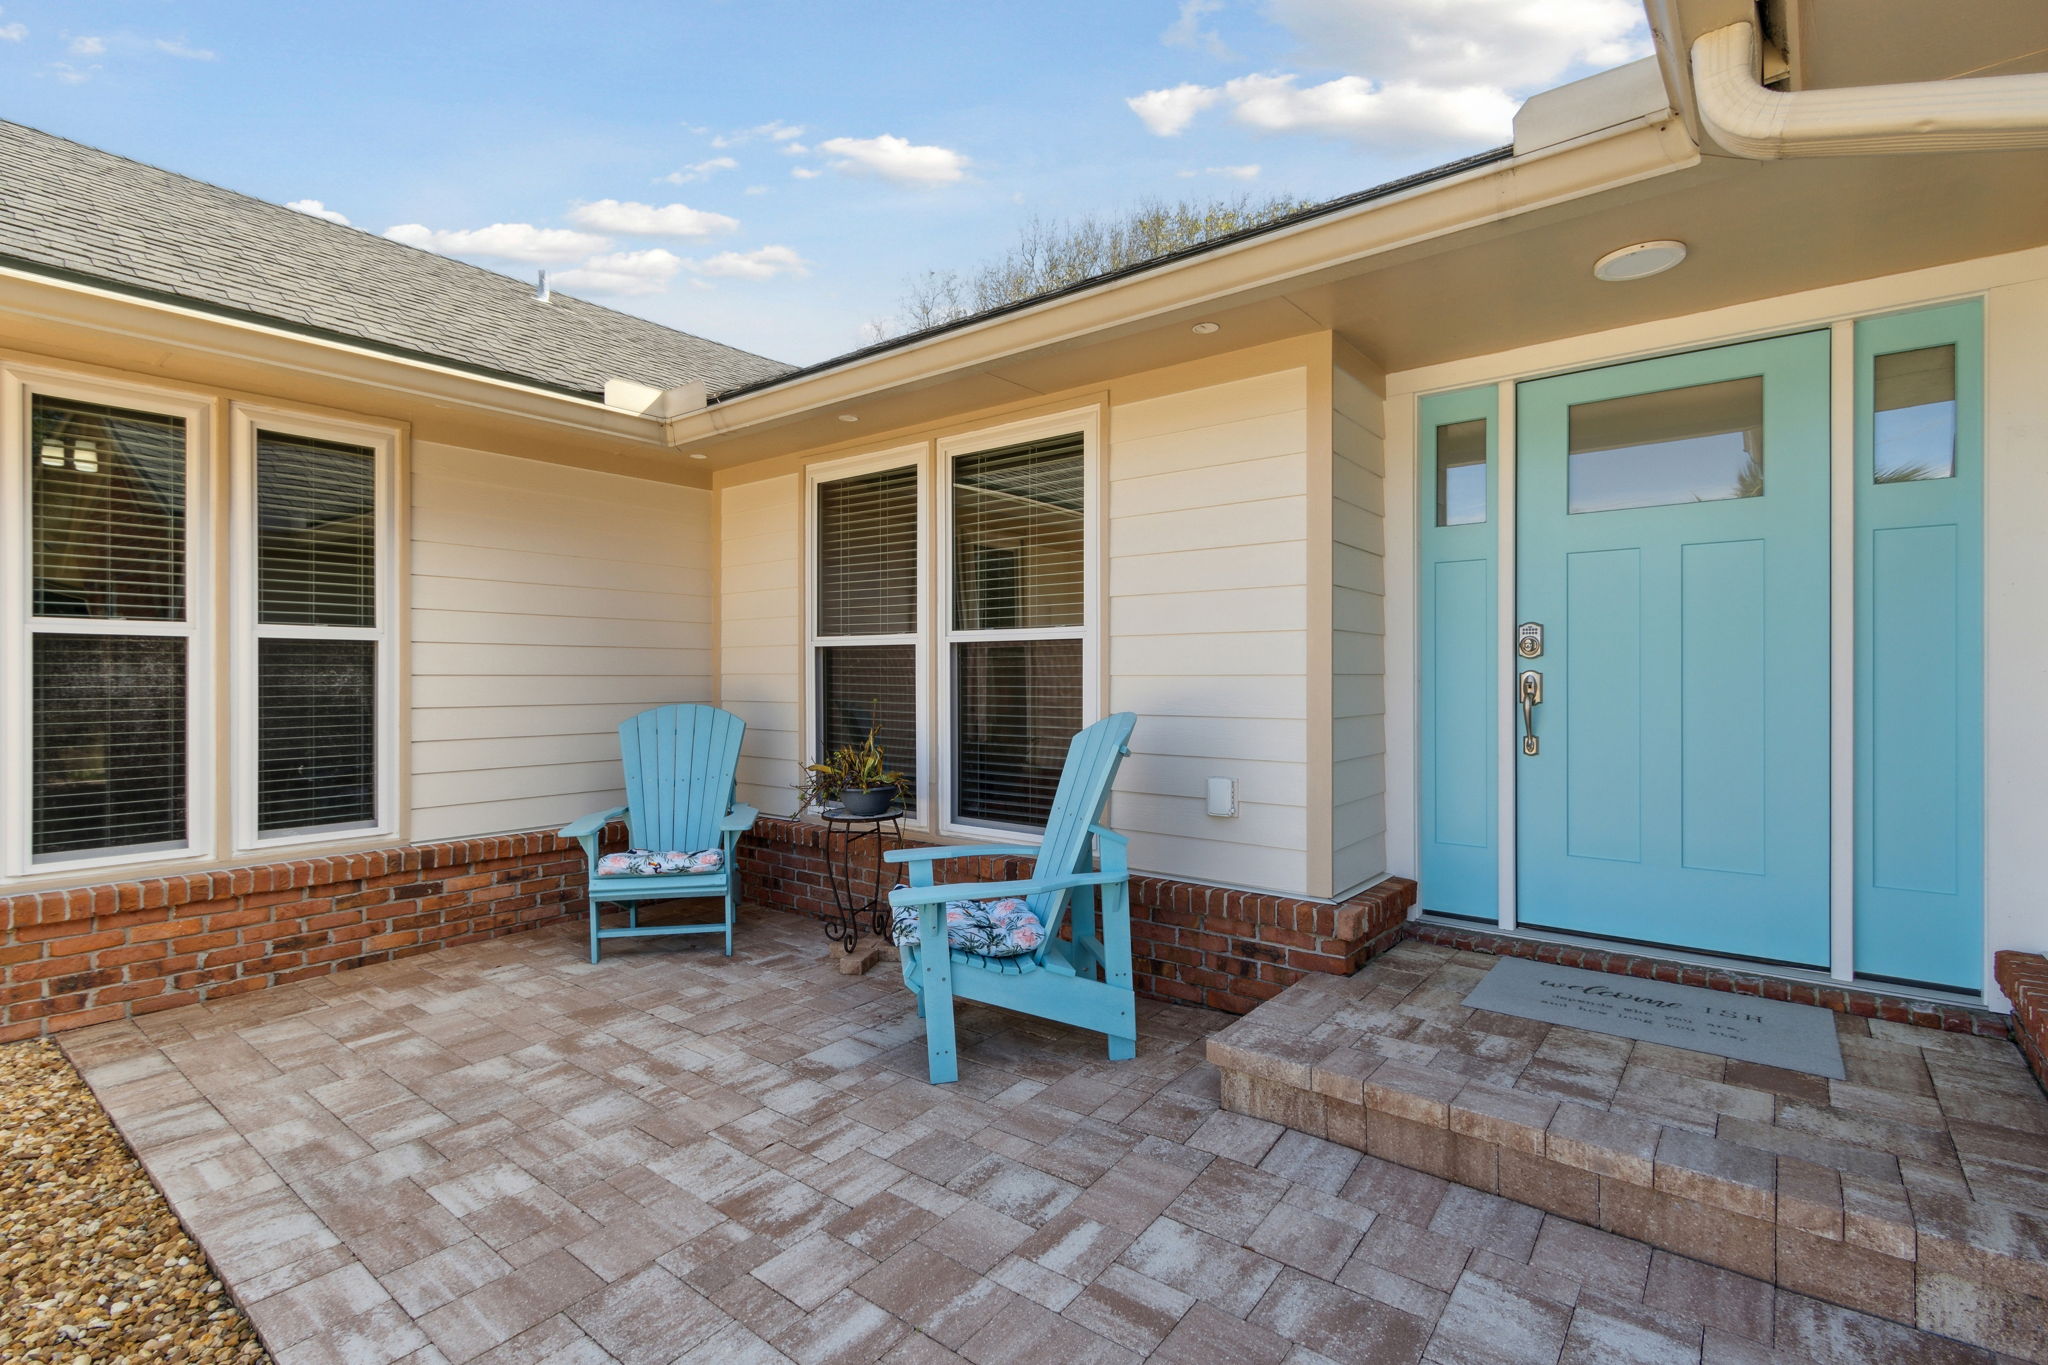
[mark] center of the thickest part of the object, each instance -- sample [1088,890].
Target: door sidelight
[1531,694]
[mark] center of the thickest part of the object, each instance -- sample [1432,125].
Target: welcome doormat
[1772,1032]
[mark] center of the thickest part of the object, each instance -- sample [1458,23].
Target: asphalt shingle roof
[75,210]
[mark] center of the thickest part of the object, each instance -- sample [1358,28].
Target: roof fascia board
[119,312]
[1606,160]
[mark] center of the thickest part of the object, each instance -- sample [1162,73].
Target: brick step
[1916,1190]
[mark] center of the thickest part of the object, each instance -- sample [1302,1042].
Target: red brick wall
[2024,979]
[88,955]
[1202,945]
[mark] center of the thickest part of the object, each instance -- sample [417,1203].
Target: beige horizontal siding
[1207,570]
[1358,845]
[760,552]
[548,604]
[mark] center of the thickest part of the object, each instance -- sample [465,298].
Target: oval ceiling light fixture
[699,455]
[1205,328]
[849,417]
[1639,262]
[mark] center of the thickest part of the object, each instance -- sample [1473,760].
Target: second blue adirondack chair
[1086,981]
[680,766]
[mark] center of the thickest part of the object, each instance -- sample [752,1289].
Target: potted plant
[856,776]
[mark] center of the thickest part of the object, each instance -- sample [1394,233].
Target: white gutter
[1978,114]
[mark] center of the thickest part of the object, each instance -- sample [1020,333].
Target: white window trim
[19,385]
[1088,422]
[244,422]
[917,457]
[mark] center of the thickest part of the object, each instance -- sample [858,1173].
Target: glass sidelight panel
[1913,429]
[1700,443]
[1461,473]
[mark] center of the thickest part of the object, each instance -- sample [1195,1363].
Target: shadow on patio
[501,1153]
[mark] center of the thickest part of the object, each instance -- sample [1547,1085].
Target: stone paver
[499,1153]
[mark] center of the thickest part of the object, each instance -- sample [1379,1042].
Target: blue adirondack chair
[1086,981]
[679,763]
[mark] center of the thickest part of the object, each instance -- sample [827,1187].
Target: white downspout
[1977,114]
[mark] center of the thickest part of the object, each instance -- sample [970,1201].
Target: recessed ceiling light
[699,455]
[848,417]
[1640,261]
[1205,328]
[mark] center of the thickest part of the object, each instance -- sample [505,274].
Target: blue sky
[769,173]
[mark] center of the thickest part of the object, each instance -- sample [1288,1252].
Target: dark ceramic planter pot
[866,800]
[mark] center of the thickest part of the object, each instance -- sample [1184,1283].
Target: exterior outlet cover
[1223,796]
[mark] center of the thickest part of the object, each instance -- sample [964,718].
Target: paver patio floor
[500,1153]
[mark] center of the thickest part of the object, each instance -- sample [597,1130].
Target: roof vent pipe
[1977,114]
[540,288]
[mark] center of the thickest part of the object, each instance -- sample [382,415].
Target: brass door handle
[1531,694]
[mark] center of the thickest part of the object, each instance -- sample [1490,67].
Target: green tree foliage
[1051,254]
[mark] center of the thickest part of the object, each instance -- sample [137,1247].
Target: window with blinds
[865,627]
[316,635]
[109,631]
[1018,614]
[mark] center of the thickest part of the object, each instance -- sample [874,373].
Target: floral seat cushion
[641,862]
[995,928]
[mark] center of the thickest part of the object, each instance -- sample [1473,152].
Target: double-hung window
[866,611]
[107,756]
[982,729]
[123,742]
[316,673]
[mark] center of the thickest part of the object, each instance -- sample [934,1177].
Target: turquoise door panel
[1679,794]
[1460,757]
[1920,647]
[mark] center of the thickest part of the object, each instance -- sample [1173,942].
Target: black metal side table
[855,872]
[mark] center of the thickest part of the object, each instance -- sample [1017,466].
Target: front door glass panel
[1699,443]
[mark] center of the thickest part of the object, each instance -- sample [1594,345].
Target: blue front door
[1672,543]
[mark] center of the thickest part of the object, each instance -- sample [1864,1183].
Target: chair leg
[732,908]
[1116,963]
[935,1005]
[593,933]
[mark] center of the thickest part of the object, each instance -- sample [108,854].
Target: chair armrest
[590,824]
[738,820]
[946,851]
[983,891]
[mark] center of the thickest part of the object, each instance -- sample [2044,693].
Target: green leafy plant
[849,767]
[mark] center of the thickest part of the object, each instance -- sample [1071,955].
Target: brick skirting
[1200,945]
[87,955]
[2024,979]
[1856,1000]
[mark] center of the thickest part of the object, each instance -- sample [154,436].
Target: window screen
[316,532]
[108,754]
[871,685]
[867,554]
[316,734]
[1017,706]
[1017,548]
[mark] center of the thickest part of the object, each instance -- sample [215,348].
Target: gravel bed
[94,1268]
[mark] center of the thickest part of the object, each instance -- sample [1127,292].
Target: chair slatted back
[1090,771]
[681,767]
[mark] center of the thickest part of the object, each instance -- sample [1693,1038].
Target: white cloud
[805,172]
[318,210]
[648,220]
[1353,107]
[755,189]
[65,71]
[1511,44]
[1250,172]
[702,170]
[1416,71]
[1166,112]
[178,47]
[895,159]
[762,263]
[508,241]
[84,46]
[1187,30]
[623,272]
[13,33]
[774,131]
